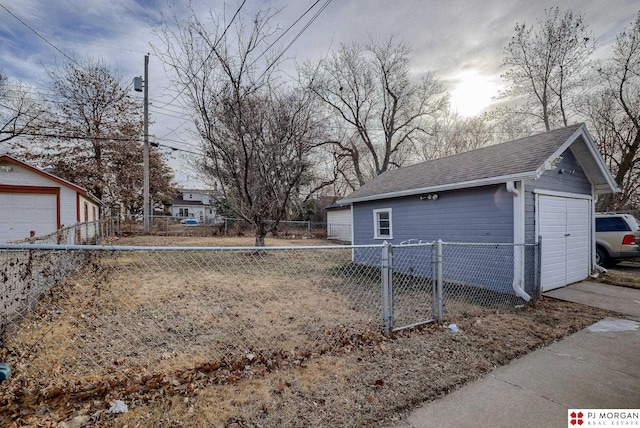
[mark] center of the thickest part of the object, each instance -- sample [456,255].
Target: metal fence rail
[223,226]
[92,232]
[98,312]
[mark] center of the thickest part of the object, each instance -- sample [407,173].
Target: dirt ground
[364,380]
[626,274]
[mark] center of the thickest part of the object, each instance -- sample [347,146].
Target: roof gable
[521,159]
[54,178]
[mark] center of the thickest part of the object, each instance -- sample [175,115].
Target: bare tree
[20,112]
[614,114]
[257,136]
[453,134]
[546,67]
[379,109]
[94,136]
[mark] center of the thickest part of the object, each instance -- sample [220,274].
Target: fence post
[387,288]
[538,267]
[434,276]
[439,282]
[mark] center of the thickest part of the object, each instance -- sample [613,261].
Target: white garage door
[21,213]
[339,225]
[565,227]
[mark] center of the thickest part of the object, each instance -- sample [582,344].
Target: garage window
[382,225]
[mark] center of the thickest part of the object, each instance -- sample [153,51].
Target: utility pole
[138,84]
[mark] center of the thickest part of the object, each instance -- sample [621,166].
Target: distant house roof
[198,191]
[52,177]
[179,200]
[523,159]
[337,206]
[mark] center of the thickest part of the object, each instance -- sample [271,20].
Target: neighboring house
[195,204]
[543,186]
[34,202]
[339,222]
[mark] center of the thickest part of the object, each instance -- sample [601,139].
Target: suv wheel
[602,258]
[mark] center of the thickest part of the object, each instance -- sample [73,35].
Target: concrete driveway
[623,300]
[595,368]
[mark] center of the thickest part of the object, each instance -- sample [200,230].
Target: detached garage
[36,203]
[540,187]
[339,222]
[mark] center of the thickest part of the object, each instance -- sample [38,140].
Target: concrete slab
[594,368]
[489,402]
[623,300]
[598,367]
[611,343]
[573,382]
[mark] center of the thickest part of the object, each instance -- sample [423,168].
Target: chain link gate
[419,278]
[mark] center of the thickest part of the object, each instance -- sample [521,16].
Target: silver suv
[617,238]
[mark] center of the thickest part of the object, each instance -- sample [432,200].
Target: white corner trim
[518,210]
[518,237]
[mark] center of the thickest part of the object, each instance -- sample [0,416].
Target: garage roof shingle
[517,157]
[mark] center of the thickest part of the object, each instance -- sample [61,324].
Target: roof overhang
[589,158]
[336,206]
[532,175]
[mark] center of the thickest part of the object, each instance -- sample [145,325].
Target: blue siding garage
[484,214]
[515,192]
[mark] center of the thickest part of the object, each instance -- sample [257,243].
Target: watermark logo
[603,417]
[575,418]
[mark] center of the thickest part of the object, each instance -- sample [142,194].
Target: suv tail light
[629,240]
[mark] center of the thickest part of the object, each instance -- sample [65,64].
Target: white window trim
[376,230]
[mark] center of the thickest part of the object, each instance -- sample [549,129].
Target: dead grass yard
[146,333]
[626,274]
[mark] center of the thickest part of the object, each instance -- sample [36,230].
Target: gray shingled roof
[517,157]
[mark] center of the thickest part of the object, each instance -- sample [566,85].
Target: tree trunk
[260,239]
[603,202]
[261,233]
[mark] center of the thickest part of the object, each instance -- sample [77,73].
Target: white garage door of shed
[20,213]
[565,227]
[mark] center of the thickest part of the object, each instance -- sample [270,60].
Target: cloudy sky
[461,41]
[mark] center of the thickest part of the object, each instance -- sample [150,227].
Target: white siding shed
[339,222]
[34,202]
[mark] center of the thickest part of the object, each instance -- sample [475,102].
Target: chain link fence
[77,317]
[89,233]
[177,226]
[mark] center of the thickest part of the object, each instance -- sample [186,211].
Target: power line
[313,18]
[210,53]
[39,35]
[76,137]
[123,139]
[176,149]
[159,113]
[285,32]
[175,130]
[152,104]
